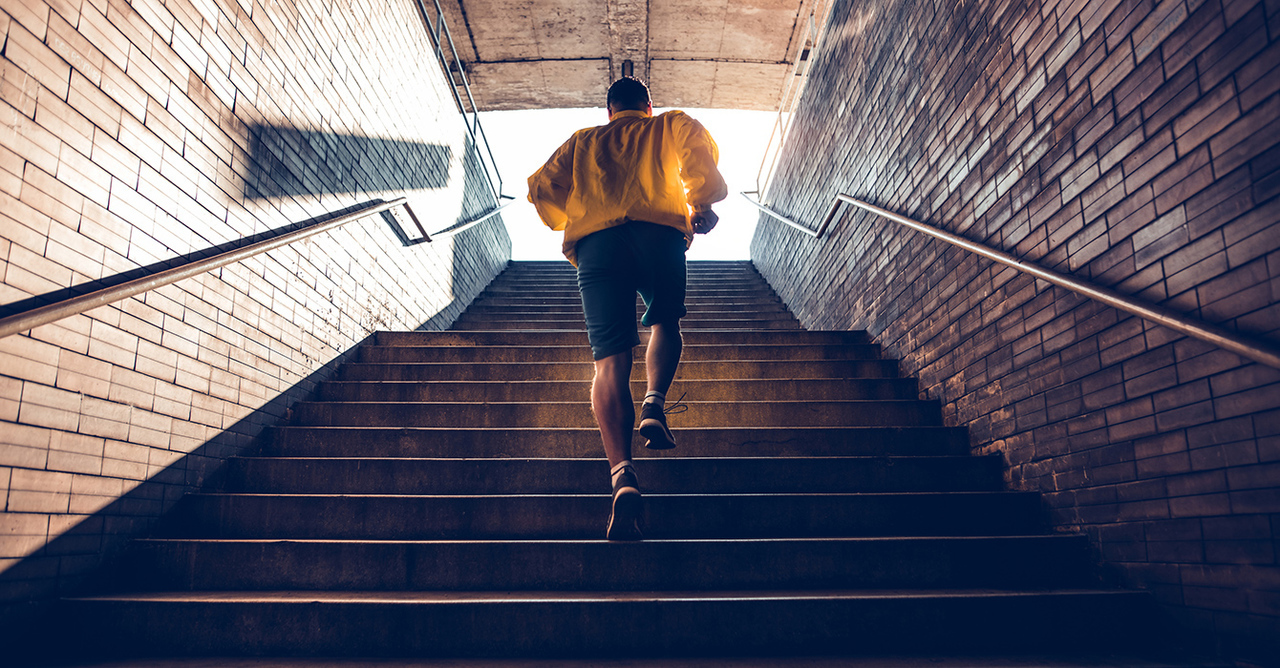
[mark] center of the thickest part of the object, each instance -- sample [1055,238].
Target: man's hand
[704,221]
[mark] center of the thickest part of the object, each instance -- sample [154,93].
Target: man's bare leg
[611,402]
[661,360]
[663,356]
[616,417]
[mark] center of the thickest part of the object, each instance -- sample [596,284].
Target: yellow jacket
[638,167]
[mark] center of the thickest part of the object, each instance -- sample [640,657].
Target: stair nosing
[1049,537]
[411,597]
[650,495]
[676,458]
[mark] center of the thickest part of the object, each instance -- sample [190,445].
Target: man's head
[628,93]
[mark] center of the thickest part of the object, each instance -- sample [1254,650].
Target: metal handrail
[438,29]
[450,231]
[1258,351]
[66,308]
[770,212]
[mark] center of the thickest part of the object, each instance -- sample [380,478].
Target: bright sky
[523,140]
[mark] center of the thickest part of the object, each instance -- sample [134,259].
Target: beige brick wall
[1129,142]
[135,132]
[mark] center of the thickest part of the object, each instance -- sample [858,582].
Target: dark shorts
[616,263]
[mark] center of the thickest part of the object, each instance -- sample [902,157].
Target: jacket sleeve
[698,157]
[549,186]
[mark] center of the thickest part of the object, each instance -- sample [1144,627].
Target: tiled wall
[1133,143]
[134,132]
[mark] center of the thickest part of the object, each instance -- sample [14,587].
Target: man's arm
[549,186]
[702,180]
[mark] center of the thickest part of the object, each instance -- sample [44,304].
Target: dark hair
[628,93]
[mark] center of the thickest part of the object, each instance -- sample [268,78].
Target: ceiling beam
[629,37]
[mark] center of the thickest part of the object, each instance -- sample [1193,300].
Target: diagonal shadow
[288,161]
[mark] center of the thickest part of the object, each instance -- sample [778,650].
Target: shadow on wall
[291,162]
[466,278]
[74,561]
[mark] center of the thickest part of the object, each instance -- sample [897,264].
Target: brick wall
[1133,143]
[134,132]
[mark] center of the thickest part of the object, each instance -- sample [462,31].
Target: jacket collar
[629,113]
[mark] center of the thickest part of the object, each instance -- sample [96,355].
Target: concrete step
[693,275]
[694,271]
[1069,656]
[771,306]
[692,282]
[534,287]
[564,265]
[694,287]
[691,271]
[1032,562]
[691,268]
[575,304]
[698,278]
[570,290]
[576,390]
[542,314]
[570,284]
[694,370]
[567,307]
[709,311]
[578,414]
[585,624]
[585,442]
[579,338]
[670,475]
[559,284]
[579,353]
[583,516]
[547,322]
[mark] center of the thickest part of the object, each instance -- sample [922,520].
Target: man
[629,196]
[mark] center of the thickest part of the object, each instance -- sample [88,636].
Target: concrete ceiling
[545,54]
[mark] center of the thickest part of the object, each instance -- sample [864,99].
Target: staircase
[448,496]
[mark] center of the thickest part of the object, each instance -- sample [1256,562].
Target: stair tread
[587,402]
[853,430]
[508,597]
[649,495]
[674,458]
[577,346]
[601,541]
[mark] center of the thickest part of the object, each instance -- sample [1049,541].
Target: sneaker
[653,425]
[624,520]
